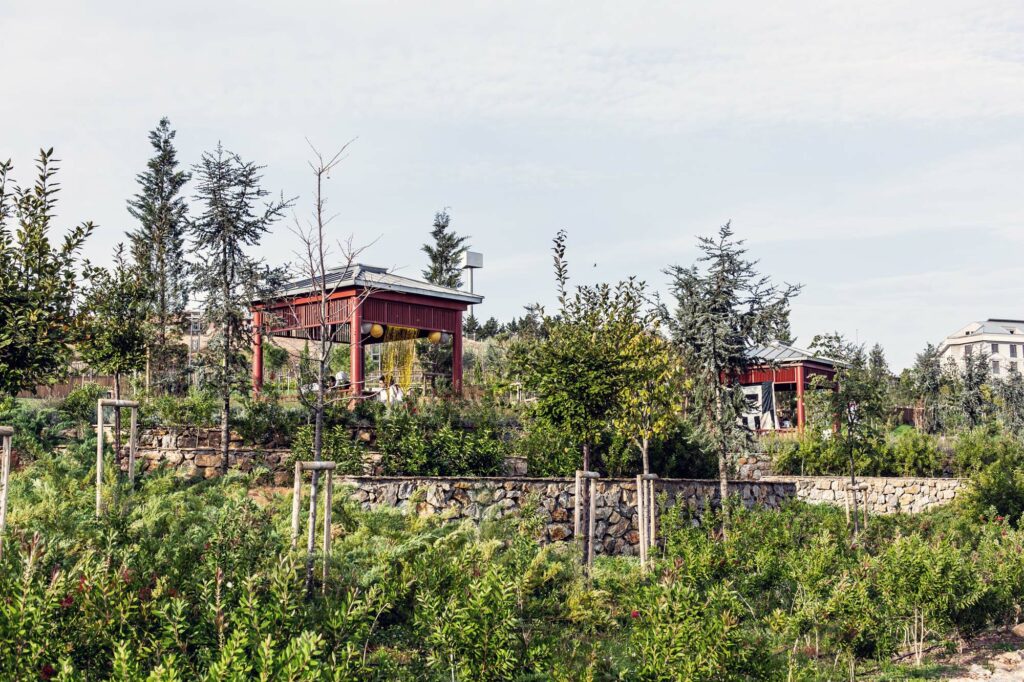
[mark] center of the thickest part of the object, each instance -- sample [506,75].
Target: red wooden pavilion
[781,368]
[360,298]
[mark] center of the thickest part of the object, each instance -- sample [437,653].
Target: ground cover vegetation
[198,580]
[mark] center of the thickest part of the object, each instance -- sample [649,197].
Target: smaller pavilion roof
[781,354]
[377,278]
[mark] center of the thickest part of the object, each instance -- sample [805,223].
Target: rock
[1018,629]
[977,672]
[1008,660]
[207,460]
[558,532]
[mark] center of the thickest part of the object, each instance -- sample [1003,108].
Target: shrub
[432,445]
[197,409]
[981,446]
[549,451]
[914,453]
[265,421]
[996,490]
[80,404]
[337,446]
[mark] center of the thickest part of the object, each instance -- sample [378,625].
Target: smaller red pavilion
[775,384]
[363,301]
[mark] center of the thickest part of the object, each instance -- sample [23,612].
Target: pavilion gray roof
[779,353]
[376,278]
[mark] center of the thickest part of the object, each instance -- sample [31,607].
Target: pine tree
[445,254]
[444,270]
[228,278]
[723,310]
[158,244]
[38,281]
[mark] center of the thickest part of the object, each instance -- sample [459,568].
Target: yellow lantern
[376,331]
[434,337]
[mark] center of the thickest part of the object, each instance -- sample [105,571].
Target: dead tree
[321,265]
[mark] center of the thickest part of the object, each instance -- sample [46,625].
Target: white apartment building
[1002,341]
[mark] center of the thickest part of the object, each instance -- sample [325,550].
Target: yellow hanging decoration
[398,355]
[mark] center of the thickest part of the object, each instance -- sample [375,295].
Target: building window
[1013,350]
[995,367]
[995,349]
[967,350]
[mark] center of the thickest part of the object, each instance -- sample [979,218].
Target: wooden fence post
[300,468]
[132,444]
[6,433]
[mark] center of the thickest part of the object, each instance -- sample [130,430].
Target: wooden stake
[6,432]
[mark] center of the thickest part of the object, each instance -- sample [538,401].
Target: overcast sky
[871,150]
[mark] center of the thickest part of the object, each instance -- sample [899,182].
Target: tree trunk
[853,483]
[723,462]
[645,445]
[117,418]
[225,415]
[318,444]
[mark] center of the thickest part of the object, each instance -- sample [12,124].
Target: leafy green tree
[444,269]
[158,244]
[115,313]
[724,308]
[857,403]
[38,281]
[228,278]
[582,364]
[652,401]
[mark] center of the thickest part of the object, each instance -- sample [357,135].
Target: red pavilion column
[257,351]
[356,347]
[800,416]
[457,355]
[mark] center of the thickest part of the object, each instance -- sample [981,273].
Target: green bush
[80,404]
[337,445]
[549,451]
[432,445]
[905,452]
[977,448]
[265,421]
[914,453]
[199,408]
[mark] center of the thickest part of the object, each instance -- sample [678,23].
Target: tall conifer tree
[725,308]
[445,270]
[445,253]
[227,277]
[158,244]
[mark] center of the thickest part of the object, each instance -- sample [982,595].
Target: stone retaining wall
[553,498]
[884,495]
